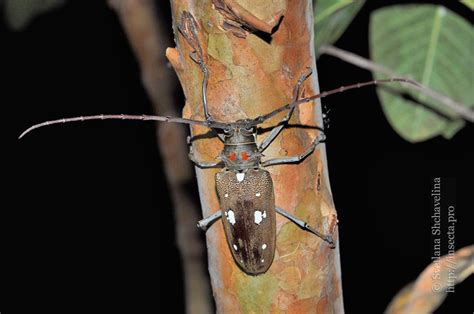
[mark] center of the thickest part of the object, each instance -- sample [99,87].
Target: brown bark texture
[251,73]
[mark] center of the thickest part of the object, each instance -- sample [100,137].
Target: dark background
[92,224]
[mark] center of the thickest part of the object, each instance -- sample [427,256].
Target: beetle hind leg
[205,223]
[305,226]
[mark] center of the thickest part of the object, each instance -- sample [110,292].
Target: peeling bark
[239,20]
[248,77]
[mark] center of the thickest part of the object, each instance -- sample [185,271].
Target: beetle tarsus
[305,226]
[205,223]
[331,242]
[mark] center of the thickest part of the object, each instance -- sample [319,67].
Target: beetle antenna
[123,117]
[261,119]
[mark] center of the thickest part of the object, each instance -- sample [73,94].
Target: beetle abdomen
[248,206]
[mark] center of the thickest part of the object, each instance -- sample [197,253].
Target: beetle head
[240,147]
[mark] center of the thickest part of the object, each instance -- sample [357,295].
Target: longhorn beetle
[244,187]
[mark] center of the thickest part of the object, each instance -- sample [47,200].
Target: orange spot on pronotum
[244,156]
[232,156]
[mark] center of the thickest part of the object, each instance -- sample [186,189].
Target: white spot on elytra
[258,194]
[264,246]
[235,247]
[259,216]
[230,216]
[226,195]
[263,260]
[240,176]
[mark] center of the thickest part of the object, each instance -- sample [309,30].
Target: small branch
[427,293]
[356,60]
[459,108]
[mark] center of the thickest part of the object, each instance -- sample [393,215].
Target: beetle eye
[245,156]
[228,132]
[232,156]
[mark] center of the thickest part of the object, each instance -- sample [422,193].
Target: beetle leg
[190,139]
[296,159]
[204,90]
[204,164]
[276,130]
[205,223]
[304,225]
[197,57]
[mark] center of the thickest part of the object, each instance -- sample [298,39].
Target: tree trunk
[251,73]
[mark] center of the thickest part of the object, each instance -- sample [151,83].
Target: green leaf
[433,46]
[332,17]
[468,3]
[19,13]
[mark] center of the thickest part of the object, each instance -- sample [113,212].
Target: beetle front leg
[304,225]
[205,223]
[204,164]
[276,130]
[295,159]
